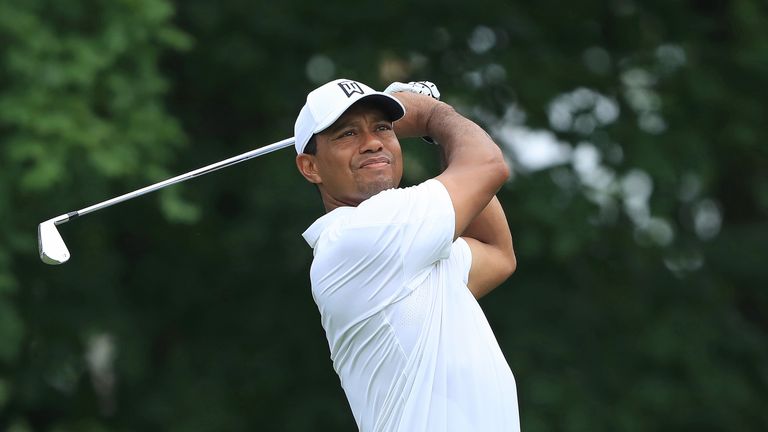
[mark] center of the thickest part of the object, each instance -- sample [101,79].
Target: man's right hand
[426,88]
[418,111]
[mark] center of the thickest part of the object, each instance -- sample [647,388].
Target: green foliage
[639,303]
[81,113]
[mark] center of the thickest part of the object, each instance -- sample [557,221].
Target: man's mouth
[376,162]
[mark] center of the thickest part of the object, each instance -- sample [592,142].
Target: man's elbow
[499,168]
[506,267]
[511,265]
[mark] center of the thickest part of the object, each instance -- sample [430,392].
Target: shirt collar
[313,233]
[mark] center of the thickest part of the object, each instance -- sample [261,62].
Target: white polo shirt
[409,342]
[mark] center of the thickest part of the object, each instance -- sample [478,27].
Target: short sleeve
[422,216]
[462,254]
[372,255]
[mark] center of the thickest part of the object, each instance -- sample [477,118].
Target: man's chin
[371,188]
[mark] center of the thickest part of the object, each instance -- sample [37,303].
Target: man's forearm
[463,142]
[491,227]
[474,165]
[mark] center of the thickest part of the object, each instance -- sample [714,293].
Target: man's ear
[307,165]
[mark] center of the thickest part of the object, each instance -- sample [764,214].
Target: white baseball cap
[328,102]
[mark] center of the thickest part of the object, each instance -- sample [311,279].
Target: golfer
[397,271]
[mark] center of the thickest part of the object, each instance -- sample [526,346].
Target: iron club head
[49,241]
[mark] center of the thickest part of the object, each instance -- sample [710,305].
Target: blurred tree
[638,205]
[81,116]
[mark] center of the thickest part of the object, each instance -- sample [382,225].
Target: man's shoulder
[404,196]
[313,233]
[389,208]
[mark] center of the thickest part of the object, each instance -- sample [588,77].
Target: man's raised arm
[475,168]
[474,171]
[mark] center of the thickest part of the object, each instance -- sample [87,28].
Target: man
[396,272]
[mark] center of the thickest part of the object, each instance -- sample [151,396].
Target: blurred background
[638,204]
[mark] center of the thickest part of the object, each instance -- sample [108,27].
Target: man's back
[411,345]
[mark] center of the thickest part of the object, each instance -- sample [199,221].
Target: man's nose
[371,143]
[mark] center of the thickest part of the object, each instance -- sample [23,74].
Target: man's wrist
[436,117]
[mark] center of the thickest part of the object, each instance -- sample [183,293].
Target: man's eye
[346,133]
[384,127]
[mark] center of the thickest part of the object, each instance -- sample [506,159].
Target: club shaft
[180,178]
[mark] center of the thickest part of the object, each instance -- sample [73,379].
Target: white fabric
[328,102]
[409,342]
[426,88]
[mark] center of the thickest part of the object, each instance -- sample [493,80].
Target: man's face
[357,157]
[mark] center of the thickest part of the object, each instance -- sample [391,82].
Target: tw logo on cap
[351,87]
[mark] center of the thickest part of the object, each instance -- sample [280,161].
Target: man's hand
[418,112]
[425,88]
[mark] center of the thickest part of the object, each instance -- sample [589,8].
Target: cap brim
[389,104]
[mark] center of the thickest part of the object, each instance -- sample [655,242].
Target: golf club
[53,250]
